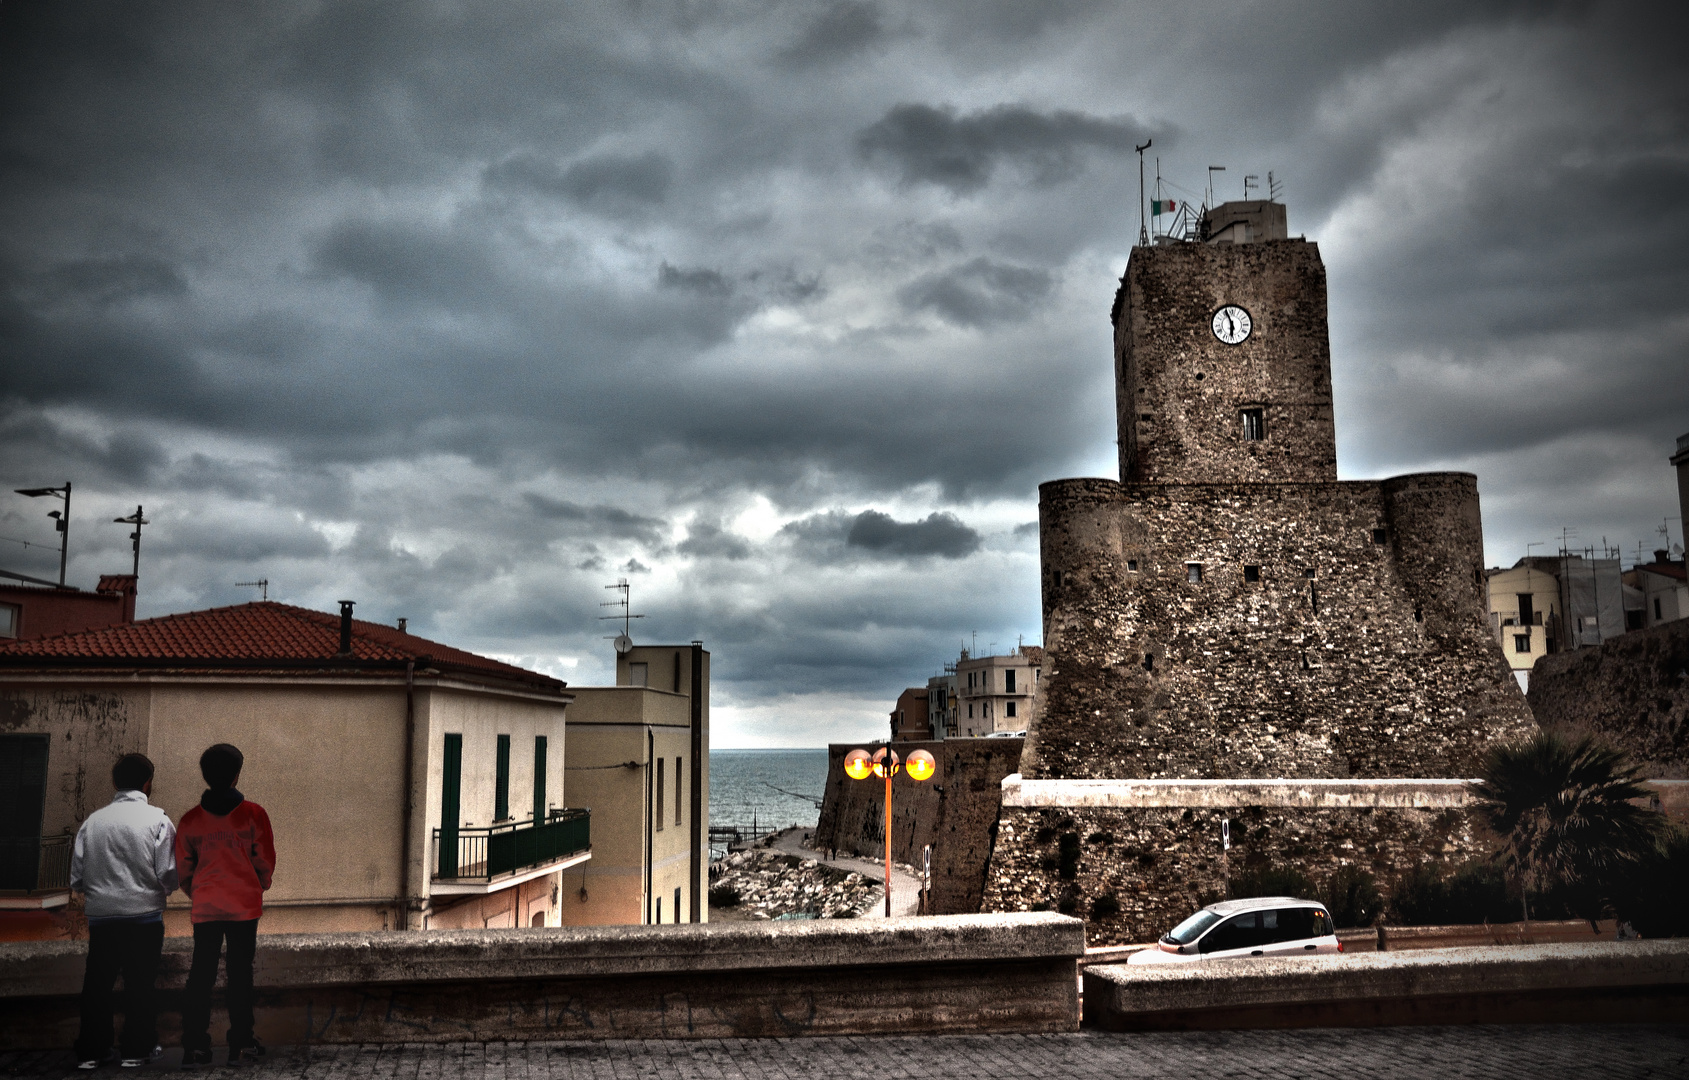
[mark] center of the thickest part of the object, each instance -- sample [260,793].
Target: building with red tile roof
[411,784]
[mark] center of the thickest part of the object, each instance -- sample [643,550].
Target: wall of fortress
[1361,650]
[1633,691]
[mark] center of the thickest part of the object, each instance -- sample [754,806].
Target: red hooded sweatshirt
[225,854]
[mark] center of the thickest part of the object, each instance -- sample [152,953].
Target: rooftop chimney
[346,627]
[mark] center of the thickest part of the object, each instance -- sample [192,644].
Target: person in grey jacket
[124,865]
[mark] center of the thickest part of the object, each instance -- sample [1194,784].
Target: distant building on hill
[1524,605]
[996,693]
[910,720]
[1663,587]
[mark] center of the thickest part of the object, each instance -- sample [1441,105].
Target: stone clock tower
[1230,618]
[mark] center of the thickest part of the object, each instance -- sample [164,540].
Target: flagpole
[1143,233]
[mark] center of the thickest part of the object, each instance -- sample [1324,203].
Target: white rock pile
[771,884]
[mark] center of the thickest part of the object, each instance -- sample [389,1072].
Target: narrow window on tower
[1251,573]
[1131,566]
[1254,424]
[1193,573]
[1379,536]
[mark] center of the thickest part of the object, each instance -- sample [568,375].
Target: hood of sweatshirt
[222,803]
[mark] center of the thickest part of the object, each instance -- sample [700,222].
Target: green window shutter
[539,779]
[501,786]
[451,788]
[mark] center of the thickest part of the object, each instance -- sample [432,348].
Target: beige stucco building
[639,759]
[1524,610]
[996,693]
[410,785]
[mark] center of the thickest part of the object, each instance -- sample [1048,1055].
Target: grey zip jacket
[124,861]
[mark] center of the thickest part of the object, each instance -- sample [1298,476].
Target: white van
[1264,926]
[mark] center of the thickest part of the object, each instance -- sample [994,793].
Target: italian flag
[1162,206]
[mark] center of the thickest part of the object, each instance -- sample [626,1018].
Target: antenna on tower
[1250,182]
[1275,188]
[1212,169]
[623,640]
[1143,233]
[262,584]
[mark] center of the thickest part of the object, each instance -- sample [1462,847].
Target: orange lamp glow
[920,765]
[885,762]
[856,765]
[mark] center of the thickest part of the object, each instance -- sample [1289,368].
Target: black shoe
[252,1051]
[192,1059]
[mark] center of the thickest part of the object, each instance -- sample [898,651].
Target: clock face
[1232,324]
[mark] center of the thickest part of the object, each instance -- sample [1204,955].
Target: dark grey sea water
[772,788]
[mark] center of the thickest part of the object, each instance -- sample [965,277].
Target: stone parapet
[974,973]
[1414,794]
[1591,982]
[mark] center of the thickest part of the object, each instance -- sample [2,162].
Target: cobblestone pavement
[1528,1053]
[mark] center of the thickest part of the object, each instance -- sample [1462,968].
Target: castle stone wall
[955,812]
[1360,650]
[1633,691]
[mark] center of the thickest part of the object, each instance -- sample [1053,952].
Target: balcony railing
[33,865]
[486,854]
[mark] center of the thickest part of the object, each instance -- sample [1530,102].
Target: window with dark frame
[1379,536]
[1131,566]
[1521,643]
[1254,424]
[1251,573]
[501,780]
[661,793]
[1193,573]
[679,802]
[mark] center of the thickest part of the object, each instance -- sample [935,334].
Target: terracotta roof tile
[251,634]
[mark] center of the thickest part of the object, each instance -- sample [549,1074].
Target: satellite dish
[624,644]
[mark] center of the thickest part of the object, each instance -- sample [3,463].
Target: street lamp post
[62,520]
[885,762]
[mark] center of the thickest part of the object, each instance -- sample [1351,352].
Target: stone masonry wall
[1179,389]
[955,812]
[1632,691]
[1163,863]
[1361,650]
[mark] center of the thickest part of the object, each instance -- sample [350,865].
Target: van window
[1294,924]
[1238,932]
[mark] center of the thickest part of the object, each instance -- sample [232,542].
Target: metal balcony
[489,858]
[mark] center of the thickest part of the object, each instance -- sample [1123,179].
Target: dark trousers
[131,950]
[196,1000]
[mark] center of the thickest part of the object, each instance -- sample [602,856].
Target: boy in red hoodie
[225,854]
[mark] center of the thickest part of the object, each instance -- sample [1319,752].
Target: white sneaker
[90,1064]
[135,1063]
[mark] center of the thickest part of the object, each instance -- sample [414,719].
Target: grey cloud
[1026,528]
[634,566]
[700,280]
[601,520]
[610,182]
[939,534]
[408,264]
[113,280]
[979,292]
[844,29]
[707,539]
[938,145]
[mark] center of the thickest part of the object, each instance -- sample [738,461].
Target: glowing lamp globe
[885,762]
[920,765]
[856,765]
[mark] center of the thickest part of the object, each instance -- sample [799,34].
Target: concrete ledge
[946,973]
[1634,981]
[1410,794]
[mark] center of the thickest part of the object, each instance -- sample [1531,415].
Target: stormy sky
[782,311]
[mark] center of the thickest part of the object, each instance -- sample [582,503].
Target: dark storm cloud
[938,145]
[979,292]
[598,520]
[465,310]
[842,30]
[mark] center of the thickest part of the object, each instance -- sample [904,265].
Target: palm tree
[1567,811]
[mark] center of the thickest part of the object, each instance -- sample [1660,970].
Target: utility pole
[135,537]
[62,519]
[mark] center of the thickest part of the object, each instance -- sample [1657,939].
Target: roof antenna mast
[1143,233]
[262,584]
[623,640]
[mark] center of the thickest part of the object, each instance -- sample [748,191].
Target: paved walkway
[1527,1053]
[905,887]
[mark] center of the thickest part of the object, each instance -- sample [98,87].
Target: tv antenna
[1212,169]
[1275,188]
[1250,182]
[624,640]
[135,537]
[1143,233]
[1567,533]
[262,584]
